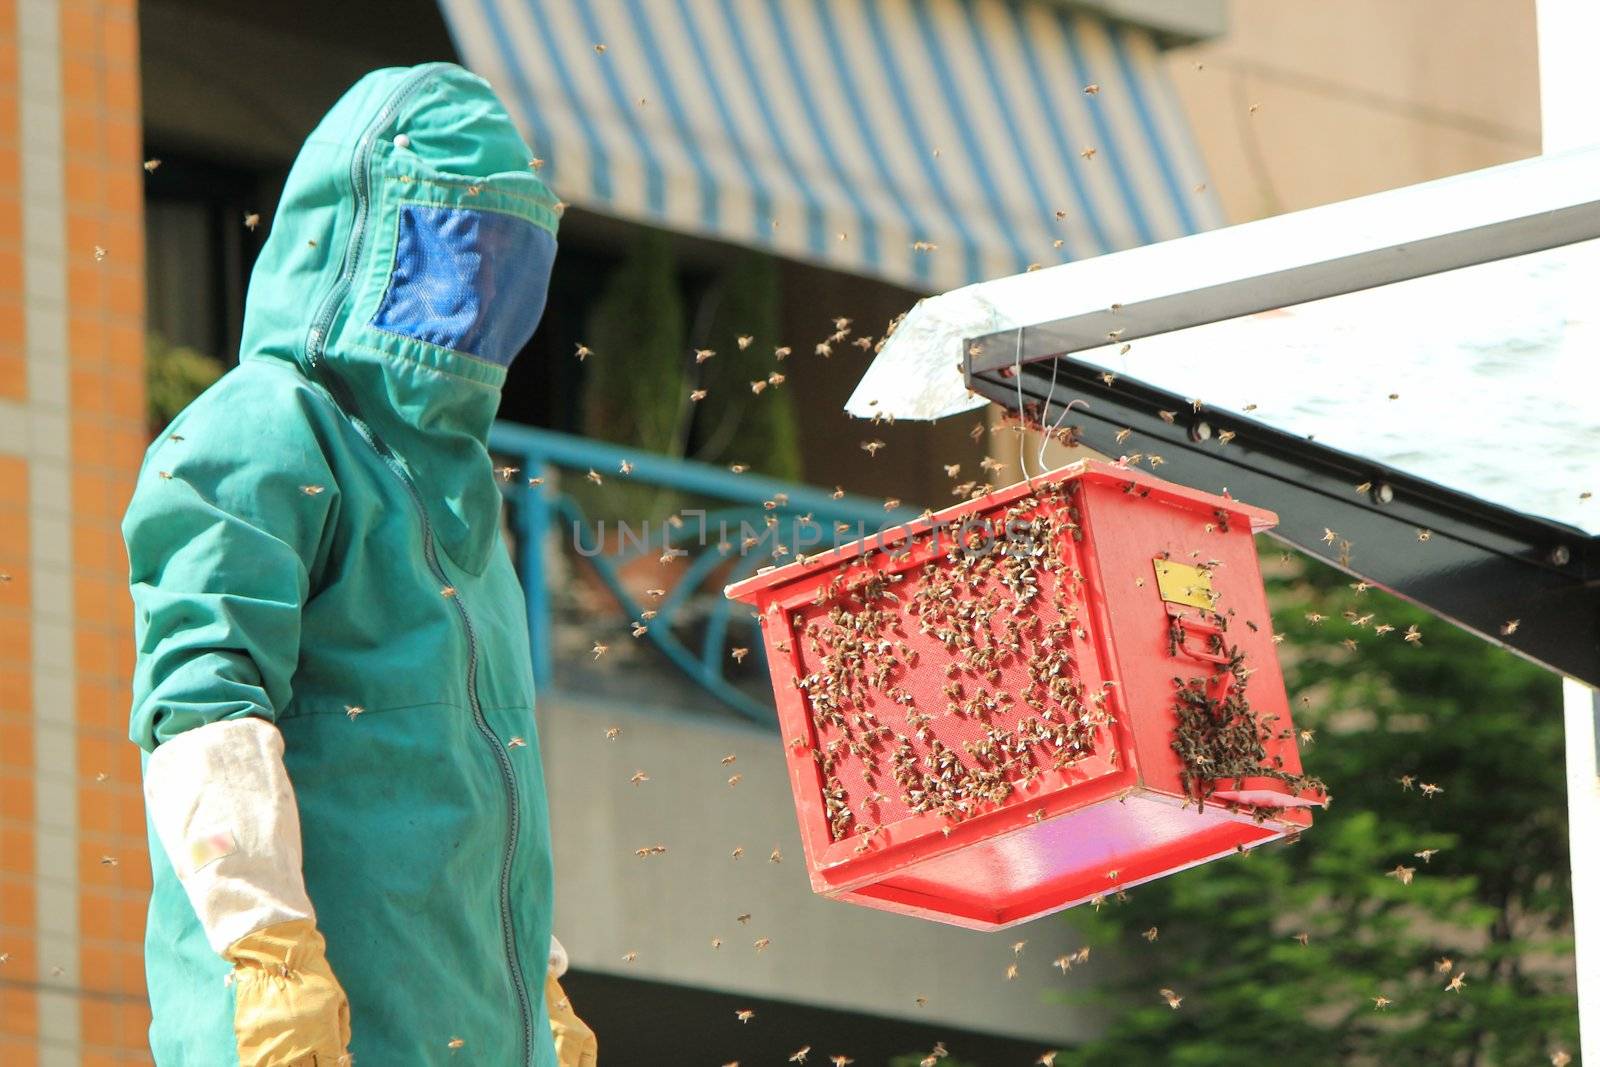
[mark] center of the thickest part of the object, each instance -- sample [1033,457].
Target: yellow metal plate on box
[1182,584]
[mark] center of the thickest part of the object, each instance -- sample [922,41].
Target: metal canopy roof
[1434,345]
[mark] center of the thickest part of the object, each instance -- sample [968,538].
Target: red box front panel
[927,688]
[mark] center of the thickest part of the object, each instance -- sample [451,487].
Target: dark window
[198,250]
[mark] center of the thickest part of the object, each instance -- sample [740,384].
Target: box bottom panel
[1065,861]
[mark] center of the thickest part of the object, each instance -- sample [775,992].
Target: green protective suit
[316,542]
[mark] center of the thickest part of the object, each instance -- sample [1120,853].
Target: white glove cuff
[222,805]
[558,958]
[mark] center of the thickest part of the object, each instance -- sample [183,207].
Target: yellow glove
[289,1010]
[575,1042]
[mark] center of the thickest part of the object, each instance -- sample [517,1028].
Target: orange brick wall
[74,874]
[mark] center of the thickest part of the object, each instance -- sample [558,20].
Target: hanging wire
[1044,442]
[1022,419]
[1065,411]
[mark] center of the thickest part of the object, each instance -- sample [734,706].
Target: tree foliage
[1492,904]
[645,336]
[174,375]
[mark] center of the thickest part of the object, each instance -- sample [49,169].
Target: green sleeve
[224,533]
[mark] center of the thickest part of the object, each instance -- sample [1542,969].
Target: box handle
[1185,626]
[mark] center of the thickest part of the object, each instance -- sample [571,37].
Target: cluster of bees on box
[1221,737]
[984,689]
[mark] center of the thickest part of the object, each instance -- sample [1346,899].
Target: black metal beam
[1480,566]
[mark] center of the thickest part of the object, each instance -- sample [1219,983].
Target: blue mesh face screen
[468,280]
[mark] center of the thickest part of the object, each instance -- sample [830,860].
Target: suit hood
[407,264]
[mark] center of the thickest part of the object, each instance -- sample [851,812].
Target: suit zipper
[360,180]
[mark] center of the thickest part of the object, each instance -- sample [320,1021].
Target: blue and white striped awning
[933,143]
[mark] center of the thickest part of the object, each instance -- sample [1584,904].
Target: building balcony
[624,556]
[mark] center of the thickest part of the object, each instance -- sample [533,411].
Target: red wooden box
[983,710]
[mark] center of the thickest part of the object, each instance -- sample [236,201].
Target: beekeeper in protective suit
[349,831]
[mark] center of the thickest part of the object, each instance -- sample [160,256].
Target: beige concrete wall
[1358,96]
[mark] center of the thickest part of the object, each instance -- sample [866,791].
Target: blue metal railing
[714,542]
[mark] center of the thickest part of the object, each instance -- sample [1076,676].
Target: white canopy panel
[1485,380]
[1493,366]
